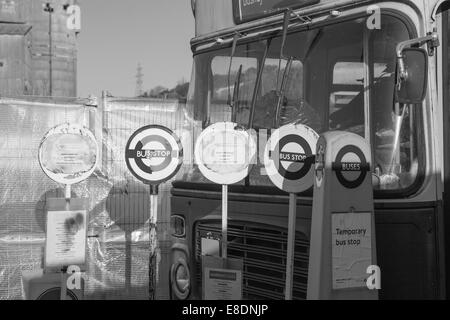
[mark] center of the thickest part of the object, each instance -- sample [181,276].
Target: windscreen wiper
[282,92]
[258,84]
[233,52]
[235,101]
[287,70]
[287,16]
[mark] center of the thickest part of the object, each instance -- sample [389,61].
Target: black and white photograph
[224,158]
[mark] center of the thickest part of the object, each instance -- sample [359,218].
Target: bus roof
[215,16]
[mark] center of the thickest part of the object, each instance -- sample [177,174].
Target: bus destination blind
[247,10]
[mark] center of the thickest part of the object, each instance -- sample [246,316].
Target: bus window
[219,109]
[346,111]
[395,129]
[339,72]
[346,98]
[270,89]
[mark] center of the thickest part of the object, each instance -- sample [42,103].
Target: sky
[116,35]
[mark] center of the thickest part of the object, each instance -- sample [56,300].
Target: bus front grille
[263,251]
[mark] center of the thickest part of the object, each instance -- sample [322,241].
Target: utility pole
[48,8]
[139,81]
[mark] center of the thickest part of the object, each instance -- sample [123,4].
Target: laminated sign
[222,278]
[66,238]
[352,249]
[68,154]
[224,153]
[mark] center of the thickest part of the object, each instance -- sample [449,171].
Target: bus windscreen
[247,10]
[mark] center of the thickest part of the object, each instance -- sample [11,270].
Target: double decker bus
[331,65]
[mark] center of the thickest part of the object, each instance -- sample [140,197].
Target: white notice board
[222,278]
[351,249]
[223,284]
[66,238]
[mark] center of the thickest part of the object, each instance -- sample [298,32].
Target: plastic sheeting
[118,230]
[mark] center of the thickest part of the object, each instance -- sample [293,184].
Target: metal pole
[291,245]
[68,195]
[48,8]
[51,51]
[224,221]
[63,292]
[152,268]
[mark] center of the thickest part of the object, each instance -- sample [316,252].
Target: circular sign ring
[136,154]
[364,167]
[289,157]
[68,153]
[224,153]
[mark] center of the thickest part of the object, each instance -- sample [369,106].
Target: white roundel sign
[289,157]
[224,153]
[68,154]
[154,154]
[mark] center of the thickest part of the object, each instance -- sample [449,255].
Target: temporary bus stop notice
[352,249]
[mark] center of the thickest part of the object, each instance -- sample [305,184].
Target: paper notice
[352,249]
[223,284]
[66,238]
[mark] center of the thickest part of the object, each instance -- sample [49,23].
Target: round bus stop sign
[224,153]
[154,154]
[290,156]
[68,153]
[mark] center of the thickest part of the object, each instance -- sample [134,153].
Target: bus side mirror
[412,76]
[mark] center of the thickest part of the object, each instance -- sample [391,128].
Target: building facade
[38,52]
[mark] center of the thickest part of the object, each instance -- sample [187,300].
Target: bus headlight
[181,279]
[178,226]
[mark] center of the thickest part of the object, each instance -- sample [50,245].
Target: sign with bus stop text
[289,159]
[352,249]
[290,156]
[343,237]
[154,154]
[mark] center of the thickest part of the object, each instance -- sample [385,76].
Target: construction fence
[118,228]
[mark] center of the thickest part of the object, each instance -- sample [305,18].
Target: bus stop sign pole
[154,155]
[153,240]
[343,246]
[291,245]
[224,221]
[289,160]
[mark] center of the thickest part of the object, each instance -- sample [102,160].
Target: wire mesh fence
[118,243]
[121,118]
